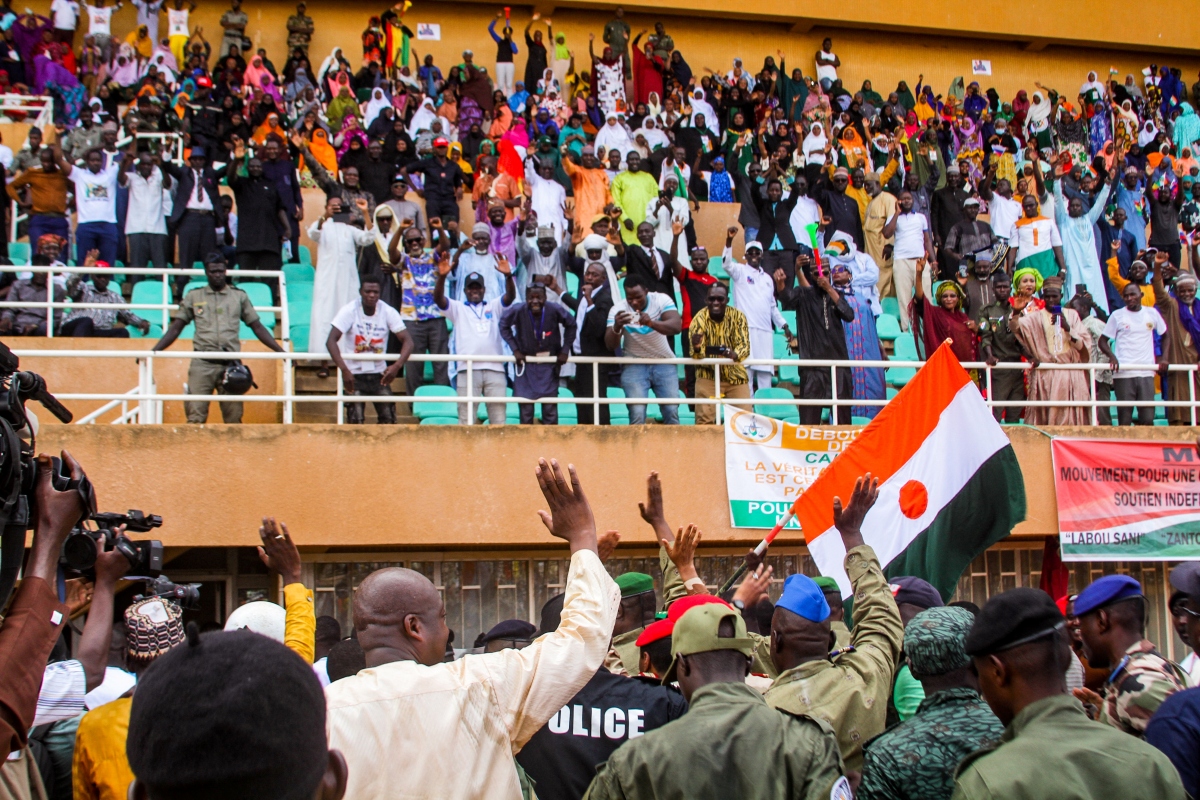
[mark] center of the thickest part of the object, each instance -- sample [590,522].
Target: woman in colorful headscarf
[270,126]
[139,39]
[1026,282]
[1037,121]
[469,115]
[926,107]
[270,89]
[969,146]
[1125,132]
[254,73]
[934,323]
[350,133]
[342,106]
[377,103]
[297,86]
[1187,127]
[501,122]
[974,103]
[1099,129]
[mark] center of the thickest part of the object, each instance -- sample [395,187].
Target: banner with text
[1124,500]
[769,463]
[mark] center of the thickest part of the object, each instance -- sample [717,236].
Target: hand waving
[848,520]
[570,515]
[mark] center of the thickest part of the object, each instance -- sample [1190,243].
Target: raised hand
[502,266]
[278,551]
[755,586]
[682,551]
[606,544]
[570,515]
[848,520]
[443,263]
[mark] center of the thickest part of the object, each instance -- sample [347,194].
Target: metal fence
[149,401]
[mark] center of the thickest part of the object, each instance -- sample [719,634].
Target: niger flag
[949,482]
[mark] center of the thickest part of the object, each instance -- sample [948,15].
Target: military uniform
[1138,686]
[624,656]
[917,758]
[218,317]
[1052,750]
[851,691]
[994,331]
[841,634]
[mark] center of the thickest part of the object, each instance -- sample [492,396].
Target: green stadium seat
[260,295]
[716,268]
[782,412]
[18,253]
[298,273]
[149,292]
[860,420]
[299,292]
[654,411]
[618,413]
[299,337]
[512,413]
[573,284]
[890,306]
[887,327]
[440,420]
[780,350]
[305,256]
[567,413]
[905,350]
[194,283]
[423,409]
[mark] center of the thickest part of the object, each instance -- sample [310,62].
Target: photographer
[719,332]
[35,617]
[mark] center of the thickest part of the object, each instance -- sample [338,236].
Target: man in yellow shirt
[153,626]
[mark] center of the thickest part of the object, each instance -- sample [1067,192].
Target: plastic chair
[887,327]
[440,420]
[512,413]
[149,292]
[890,306]
[618,413]
[260,295]
[905,350]
[299,337]
[716,268]
[305,256]
[780,350]
[573,284]
[781,412]
[424,410]
[568,414]
[299,292]
[686,415]
[19,252]
[298,273]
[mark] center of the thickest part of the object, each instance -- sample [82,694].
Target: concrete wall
[884,42]
[440,487]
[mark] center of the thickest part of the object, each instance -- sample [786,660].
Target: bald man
[409,723]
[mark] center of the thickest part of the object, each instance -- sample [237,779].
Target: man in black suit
[651,263]
[591,318]
[775,228]
[197,212]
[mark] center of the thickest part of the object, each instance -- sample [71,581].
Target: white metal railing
[165,307]
[151,400]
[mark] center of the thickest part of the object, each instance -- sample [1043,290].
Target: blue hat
[1106,590]
[802,596]
[197,152]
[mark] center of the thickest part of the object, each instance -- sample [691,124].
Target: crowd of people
[623,689]
[1014,228]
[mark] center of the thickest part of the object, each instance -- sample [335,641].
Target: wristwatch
[738,604]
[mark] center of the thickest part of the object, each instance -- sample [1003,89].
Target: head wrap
[935,640]
[1037,277]
[948,286]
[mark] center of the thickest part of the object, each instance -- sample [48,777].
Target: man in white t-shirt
[754,296]
[362,326]
[100,25]
[66,18]
[640,325]
[1129,338]
[912,242]
[95,203]
[477,333]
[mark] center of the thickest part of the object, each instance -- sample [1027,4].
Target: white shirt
[804,214]
[754,294]
[450,730]
[1132,336]
[476,332]
[910,235]
[100,20]
[6,156]
[177,22]
[146,213]
[366,334]
[642,341]
[825,67]
[95,194]
[1004,213]
[1033,236]
[662,217]
[321,668]
[668,171]
[198,199]
[66,14]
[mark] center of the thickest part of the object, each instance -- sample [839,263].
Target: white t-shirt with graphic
[66,14]
[177,22]
[642,341]
[100,20]
[95,194]
[1132,335]
[366,334]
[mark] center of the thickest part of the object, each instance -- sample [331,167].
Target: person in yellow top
[153,626]
[1138,270]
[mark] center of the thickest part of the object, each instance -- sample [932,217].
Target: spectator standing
[591,325]
[146,217]
[1175,727]
[506,48]
[616,36]
[754,296]
[404,209]
[95,205]
[633,191]
[694,284]
[217,310]
[46,202]
[1093,320]
[1165,198]
[641,324]
[444,182]
[98,321]
[969,236]
[589,182]
[1035,242]
[66,19]
[998,343]
[1129,338]
[1177,306]
[336,283]
[880,247]
[300,29]
[827,64]
[28,157]
[147,14]
[263,219]
[362,326]
[234,23]
[1077,230]
[178,30]
[196,212]
[718,331]
[477,332]
[775,230]
[426,326]
[100,26]
[533,328]
[278,168]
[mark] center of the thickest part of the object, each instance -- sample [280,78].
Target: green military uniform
[841,634]
[851,691]
[1052,750]
[624,656]
[218,317]
[729,744]
[994,331]
[1138,686]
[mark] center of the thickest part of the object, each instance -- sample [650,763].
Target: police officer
[731,743]
[1050,748]
[609,711]
[849,691]
[1112,623]
[217,309]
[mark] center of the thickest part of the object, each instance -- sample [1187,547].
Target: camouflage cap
[935,640]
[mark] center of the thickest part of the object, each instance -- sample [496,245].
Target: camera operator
[36,617]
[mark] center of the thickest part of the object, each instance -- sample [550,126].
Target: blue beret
[802,596]
[1106,590]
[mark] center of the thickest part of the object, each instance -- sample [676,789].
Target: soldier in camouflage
[1111,616]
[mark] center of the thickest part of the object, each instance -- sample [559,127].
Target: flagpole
[760,549]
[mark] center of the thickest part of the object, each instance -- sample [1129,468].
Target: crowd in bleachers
[884,223]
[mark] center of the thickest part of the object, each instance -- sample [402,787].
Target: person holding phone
[718,331]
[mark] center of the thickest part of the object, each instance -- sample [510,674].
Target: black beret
[230,714]
[1012,618]
[507,629]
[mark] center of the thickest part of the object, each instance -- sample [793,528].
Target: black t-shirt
[563,756]
[440,179]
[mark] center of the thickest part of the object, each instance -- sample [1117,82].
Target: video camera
[18,432]
[187,595]
[145,555]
